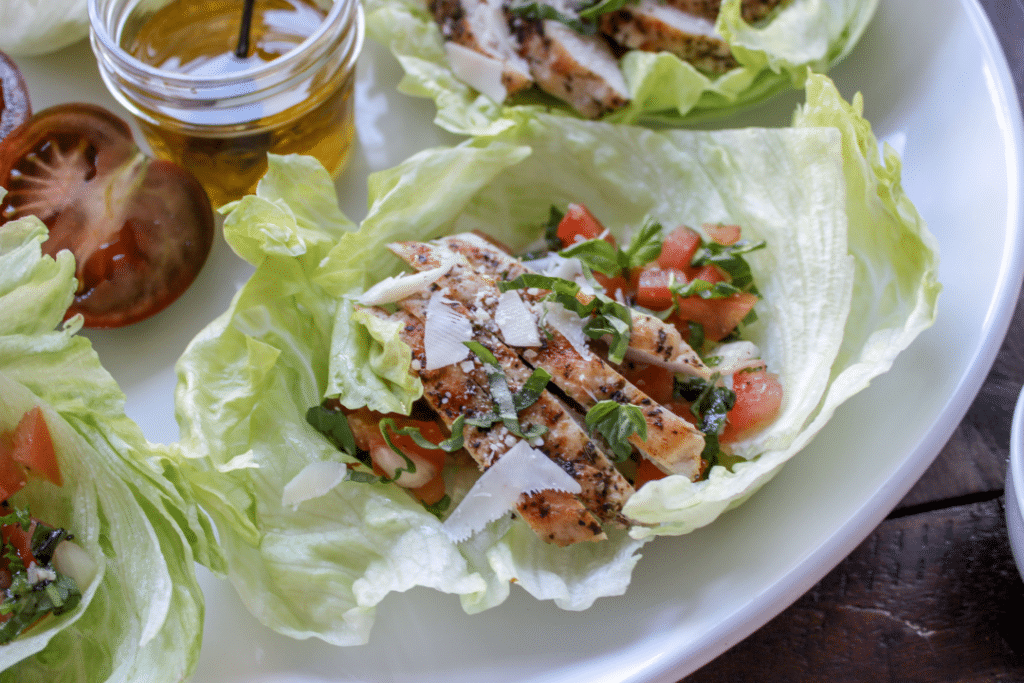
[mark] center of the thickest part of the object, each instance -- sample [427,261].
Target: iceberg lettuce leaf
[829,208]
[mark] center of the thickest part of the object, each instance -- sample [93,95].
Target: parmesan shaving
[520,470]
[569,325]
[396,288]
[316,479]
[444,332]
[515,321]
[476,70]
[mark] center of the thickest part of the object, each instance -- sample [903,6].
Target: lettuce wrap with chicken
[847,279]
[732,58]
[97,573]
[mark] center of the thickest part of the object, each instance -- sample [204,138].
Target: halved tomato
[140,229]
[15,107]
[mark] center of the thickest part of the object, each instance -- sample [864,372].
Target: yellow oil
[198,38]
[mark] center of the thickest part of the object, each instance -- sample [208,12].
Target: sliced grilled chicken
[579,69]
[651,341]
[555,516]
[751,10]
[653,26]
[672,443]
[604,489]
[481,26]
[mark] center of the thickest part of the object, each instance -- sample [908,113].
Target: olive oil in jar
[291,93]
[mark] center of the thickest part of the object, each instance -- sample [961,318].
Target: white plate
[1015,486]
[938,89]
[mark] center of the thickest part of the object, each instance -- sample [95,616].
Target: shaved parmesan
[515,321]
[520,470]
[316,479]
[399,287]
[476,70]
[444,332]
[567,324]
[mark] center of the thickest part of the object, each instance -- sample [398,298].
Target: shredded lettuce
[775,56]
[848,279]
[141,615]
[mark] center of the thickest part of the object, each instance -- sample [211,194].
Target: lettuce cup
[100,541]
[315,538]
[740,58]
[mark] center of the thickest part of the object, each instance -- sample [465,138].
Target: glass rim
[311,49]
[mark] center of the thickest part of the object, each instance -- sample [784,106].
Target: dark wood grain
[929,597]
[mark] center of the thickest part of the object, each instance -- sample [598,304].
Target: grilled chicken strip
[578,69]
[672,443]
[604,489]
[555,516]
[654,26]
[651,341]
[482,26]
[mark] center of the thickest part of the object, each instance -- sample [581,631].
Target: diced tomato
[33,446]
[682,409]
[12,473]
[646,471]
[20,539]
[652,287]
[656,382]
[758,399]
[431,431]
[678,248]
[723,234]
[431,492]
[718,317]
[615,287]
[578,224]
[709,273]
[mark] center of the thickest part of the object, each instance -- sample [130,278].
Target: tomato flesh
[140,229]
[723,234]
[758,400]
[13,477]
[646,471]
[579,225]
[33,447]
[678,249]
[655,381]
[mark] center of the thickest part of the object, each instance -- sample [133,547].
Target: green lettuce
[141,614]
[772,56]
[848,278]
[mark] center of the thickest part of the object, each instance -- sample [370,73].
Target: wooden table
[933,594]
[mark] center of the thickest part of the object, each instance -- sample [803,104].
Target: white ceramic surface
[1015,486]
[937,89]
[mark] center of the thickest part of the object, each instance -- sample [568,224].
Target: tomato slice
[140,229]
[33,446]
[15,107]
[578,225]
[758,400]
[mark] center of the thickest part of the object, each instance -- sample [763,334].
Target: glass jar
[220,123]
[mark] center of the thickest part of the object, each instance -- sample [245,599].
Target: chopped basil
[603,7]
[538,11]
[730,259]
[710,404]
[616,422]
[597,254]
[604,315]
[334,425]
[28,599]
[506,403]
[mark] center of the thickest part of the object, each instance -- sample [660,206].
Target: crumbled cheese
[37,574]
[467,365]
